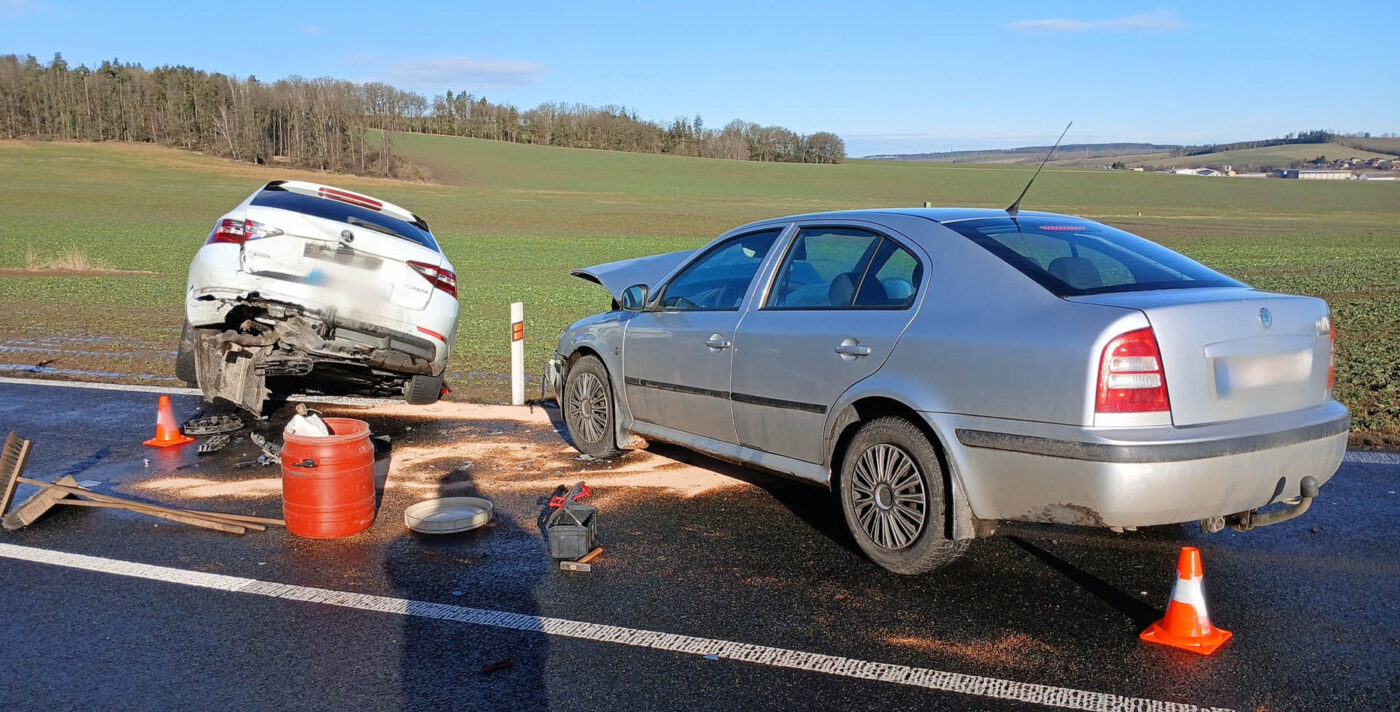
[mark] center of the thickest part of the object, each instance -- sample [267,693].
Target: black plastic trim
[1150,453]
[726,395]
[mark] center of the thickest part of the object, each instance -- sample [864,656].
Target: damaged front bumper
[273,339]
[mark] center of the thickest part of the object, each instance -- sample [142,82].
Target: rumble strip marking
[958,683]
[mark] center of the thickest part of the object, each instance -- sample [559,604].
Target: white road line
[1049,695]
[172,390]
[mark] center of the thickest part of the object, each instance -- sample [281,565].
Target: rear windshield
[1073,257]
[278,197]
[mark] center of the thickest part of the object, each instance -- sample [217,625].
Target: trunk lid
[1235,353]
[354,259]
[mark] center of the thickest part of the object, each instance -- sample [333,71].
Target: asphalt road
[1313,603]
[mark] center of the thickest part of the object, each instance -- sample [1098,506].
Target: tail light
[237,232]
[1131,379]
[444,279]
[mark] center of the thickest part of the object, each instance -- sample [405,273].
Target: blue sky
[888,77]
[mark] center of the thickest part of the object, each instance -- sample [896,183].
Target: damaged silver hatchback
[943,369]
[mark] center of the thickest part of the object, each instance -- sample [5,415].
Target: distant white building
[1195,172]
[1377,176]
[1315,174]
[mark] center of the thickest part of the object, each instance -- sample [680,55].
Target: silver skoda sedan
[944,369]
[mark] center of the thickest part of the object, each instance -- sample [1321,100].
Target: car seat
[1077,272]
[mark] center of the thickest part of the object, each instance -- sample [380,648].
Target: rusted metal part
[1065,513]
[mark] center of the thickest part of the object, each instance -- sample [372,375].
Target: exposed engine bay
[263,340]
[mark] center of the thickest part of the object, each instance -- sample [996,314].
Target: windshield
[334,210]
[1073,257]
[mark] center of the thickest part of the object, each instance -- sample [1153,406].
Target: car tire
[893,493]
[589,410]
[184,357]
[423,390]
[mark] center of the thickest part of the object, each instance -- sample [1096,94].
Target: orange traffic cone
[167,432]
[1186,625]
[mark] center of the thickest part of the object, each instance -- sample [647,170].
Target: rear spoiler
[327,192]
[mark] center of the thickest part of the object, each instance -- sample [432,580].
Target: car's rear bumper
[1129,477]
[216,286]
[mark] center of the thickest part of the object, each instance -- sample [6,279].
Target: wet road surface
[727,554]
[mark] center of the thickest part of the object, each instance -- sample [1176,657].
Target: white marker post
[517,353]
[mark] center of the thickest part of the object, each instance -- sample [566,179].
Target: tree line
[325,123]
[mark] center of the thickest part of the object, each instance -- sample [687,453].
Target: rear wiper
[373,226]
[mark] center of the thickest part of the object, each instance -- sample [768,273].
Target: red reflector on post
[517,331]
[1131,379]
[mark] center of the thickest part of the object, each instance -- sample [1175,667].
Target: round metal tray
[448,515]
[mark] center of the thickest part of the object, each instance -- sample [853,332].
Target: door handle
[717,342]
[850,349]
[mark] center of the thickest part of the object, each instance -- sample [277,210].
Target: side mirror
[634,298]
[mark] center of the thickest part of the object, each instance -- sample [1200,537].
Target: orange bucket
[328,482]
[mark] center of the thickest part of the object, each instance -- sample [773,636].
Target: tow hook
[1244,521]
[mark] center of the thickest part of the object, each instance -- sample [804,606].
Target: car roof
[938,215]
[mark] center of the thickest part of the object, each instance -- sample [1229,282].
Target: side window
[718,279]
[845,268]
[823,268]
[893,281]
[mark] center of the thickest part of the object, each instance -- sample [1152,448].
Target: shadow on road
[1141,614]
[445,665]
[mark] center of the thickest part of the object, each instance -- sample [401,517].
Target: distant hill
[1242,155]
[1032,153]
[1264,157]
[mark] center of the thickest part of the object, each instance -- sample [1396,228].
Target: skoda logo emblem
[346,236]
[1266,317]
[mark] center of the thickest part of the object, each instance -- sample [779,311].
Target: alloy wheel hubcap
[887,493]
[588,407]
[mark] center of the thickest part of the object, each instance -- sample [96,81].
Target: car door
[676,354]
[837,304]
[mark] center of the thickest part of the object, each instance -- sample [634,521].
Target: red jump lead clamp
[578,492]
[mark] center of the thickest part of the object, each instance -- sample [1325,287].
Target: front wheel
[892,493]
[588,409]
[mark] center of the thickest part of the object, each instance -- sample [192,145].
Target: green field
[515,219]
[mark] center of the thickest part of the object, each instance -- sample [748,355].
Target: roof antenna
[1016,206]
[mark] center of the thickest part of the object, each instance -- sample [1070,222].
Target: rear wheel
[184,356]
[893,496]
[588,408]
[423,390]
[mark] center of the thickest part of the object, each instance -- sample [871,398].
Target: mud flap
[230,372]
